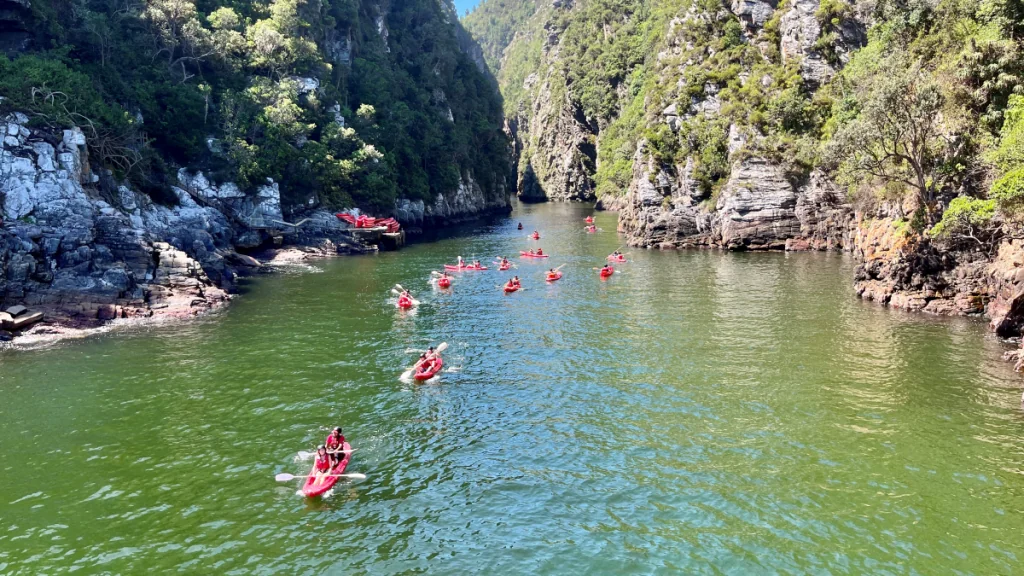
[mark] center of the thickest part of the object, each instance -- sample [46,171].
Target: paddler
[606,268]
[540,251]
[476,264]
[323,462]
[520,225]
[515,282]
[335,443]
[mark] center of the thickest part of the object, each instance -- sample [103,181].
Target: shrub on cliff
[967,218]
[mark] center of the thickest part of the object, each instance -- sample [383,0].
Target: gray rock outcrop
[84,256]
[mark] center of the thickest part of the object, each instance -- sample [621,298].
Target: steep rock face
[801,31]
[662,208]
[754,14]
[15,26]
[84,257]
[468,202]
[757,209]
[559,154]
[911,274]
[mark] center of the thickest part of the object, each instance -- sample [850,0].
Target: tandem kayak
[317,486]
[427,371]
[404,303]
[443,283]
[525,254]
[555,276]
[606,272]
[458,268]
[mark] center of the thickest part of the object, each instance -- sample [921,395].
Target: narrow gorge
[889,129]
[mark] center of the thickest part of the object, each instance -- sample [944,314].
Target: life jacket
[322,464]
[332,443]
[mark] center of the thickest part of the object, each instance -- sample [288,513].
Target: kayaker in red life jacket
[335,442]
[322,464]
[515,282]
[540,251]
[476,263]
[425,358]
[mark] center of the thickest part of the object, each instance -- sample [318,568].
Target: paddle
[285,477]
[440,348]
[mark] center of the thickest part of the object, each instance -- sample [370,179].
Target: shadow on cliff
[526,187]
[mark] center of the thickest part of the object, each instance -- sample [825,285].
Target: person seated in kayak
[520,225]
[533,252]
[606,269]
[515,282]
[323,463]
[540,251]
[426,358]
[335,443]
[476,264]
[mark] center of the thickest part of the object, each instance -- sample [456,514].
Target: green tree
[895,135]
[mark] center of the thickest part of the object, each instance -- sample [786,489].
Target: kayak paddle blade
[284,477]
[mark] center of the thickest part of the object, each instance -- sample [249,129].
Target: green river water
[701,412]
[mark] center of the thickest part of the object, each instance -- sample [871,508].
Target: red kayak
[606,272]
[510,288]
[619,258]
[555,276]
[404,303]
[535,236]
[591,229]
[443,283]
[427,371]
[317,486]
[457,268]
[590,220]
[504,267]
[525,254]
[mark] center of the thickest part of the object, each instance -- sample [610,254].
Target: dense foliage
[925,101]
[344,102]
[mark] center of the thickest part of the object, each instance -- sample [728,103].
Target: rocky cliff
[84,256]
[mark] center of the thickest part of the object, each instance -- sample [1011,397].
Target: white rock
[74,137]
[44,156]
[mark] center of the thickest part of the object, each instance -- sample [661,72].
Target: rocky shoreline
[86,251]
